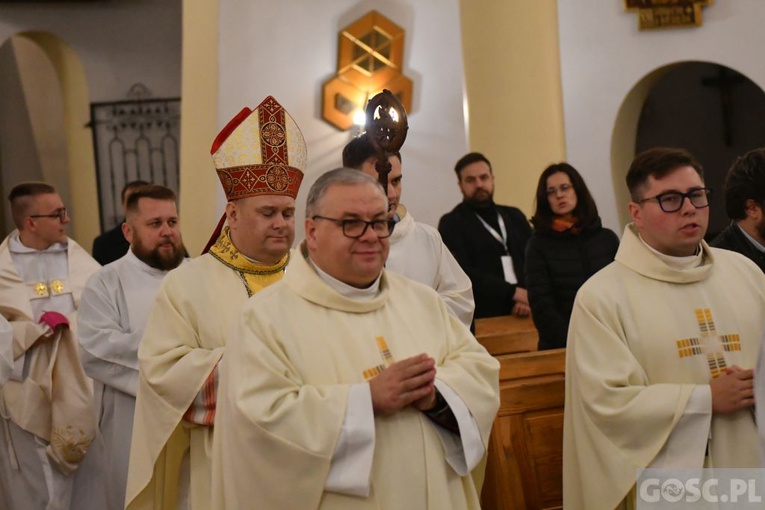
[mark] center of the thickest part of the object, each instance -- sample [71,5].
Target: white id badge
[507,268]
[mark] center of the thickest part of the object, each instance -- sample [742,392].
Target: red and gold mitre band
[260,152]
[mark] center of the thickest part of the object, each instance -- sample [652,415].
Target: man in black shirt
[488,240]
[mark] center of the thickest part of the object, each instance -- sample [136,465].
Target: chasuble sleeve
[272,417]
[470,372]
[174,359]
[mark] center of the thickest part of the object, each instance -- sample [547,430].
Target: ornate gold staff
[386,128]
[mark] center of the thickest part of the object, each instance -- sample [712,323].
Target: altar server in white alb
[661,346]
[113,312]
[50,452]
[416,249]
[259,156]
[345,386]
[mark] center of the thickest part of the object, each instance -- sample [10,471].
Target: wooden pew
[506,334]
[524,465]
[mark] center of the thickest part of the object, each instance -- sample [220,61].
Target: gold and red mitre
[260,152]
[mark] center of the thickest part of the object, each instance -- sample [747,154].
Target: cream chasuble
[50,453]
[299,351]
[113,312]
[188,328]
[644,338]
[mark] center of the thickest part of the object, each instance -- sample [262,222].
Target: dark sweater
[480,254]
[732,238]
[557,264]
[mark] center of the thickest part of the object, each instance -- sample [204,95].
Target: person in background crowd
[568,246]
[112,244]
[488,241]
[744,203]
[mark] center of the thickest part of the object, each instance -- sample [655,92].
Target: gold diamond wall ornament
[667,13]
[370,59]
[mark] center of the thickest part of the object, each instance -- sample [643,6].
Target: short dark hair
[745,181]
[131,185]
[657,163]
[22,197]
[154,191]
[359,150]
[469,159]
[585,211]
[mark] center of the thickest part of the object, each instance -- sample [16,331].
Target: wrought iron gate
[134,139]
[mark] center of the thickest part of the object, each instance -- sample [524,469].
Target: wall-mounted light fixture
[370,59]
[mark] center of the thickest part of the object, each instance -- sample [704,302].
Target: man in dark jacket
[744,203]
[112,245]
[488,240]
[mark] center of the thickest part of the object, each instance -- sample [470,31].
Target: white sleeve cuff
[687,443]
[351,467]
[463,452]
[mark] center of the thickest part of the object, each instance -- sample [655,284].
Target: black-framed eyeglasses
[60,214]
[357,228]
[672,201]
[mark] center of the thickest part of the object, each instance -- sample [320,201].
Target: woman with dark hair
[568,246]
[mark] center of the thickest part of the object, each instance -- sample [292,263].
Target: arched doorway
[44,112]
[711,110]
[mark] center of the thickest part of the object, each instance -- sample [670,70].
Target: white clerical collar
[16,246]
[752,240]
[686,262]
[143,266]
[348,291]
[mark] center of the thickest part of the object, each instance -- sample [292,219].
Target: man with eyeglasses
[259,157]
[346,386]
[50,451]
[416,249]
[488,240]
[661,345]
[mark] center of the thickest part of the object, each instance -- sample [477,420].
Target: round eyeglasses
[357,228]
[672,201]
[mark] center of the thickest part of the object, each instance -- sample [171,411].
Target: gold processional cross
[709,343]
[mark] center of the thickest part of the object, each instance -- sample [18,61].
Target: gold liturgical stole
[254,277]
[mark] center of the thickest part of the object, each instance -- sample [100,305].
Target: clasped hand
[409,381]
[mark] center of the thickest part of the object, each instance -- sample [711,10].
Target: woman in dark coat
[568,246]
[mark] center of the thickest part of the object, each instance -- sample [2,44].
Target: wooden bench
[506,334]
[525,460]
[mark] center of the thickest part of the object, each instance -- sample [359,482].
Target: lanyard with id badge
[507,261]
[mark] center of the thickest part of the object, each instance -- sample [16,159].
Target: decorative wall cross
[667,13]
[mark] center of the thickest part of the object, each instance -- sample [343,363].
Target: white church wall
[291,51]
[120,42]
[604,55]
